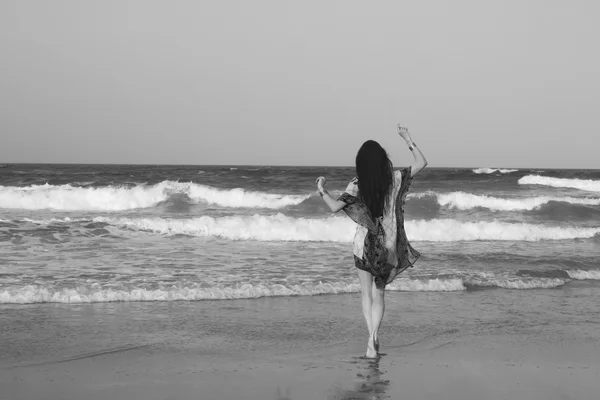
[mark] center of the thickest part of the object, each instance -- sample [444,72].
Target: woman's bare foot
[371,352]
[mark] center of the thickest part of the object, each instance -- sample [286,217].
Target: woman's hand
[321,183]
[334,205]
[403,132]
[420,161]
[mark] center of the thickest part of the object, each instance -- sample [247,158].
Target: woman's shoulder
[398,176]
[352,187]
[400,173]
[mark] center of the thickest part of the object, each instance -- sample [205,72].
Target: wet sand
[455,371]
[292,348]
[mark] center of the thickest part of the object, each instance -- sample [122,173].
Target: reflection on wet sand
[285,396]
[370,384]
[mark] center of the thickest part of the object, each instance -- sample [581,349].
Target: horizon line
[4,164]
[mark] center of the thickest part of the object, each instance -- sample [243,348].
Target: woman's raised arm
[334,205]
[420,161]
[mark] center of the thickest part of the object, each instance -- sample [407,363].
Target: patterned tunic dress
[380,244]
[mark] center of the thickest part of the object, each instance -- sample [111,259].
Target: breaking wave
[93,294]
[257,227]
[71,198]
[584,275]
[493,170]
[97,294]
[466,201]
[581,184]
[341,229]
[37,294]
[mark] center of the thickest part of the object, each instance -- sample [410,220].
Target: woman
[375,201]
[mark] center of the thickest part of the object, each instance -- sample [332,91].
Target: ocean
[106,233]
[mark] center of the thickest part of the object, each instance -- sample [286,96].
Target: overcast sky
[511,83]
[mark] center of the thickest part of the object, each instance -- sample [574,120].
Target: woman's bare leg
[377,310]
[366,285]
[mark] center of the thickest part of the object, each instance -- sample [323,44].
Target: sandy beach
[292,348]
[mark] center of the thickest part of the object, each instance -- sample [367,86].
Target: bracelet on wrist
[412,146]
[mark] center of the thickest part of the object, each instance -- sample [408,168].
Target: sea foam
[341,229]
[38,294]
[109,198]
[256,227]
[581,184]
[493,170]
[584,275]
[521,284]
[466,201]
[67,197]
[95,293]
[242,198]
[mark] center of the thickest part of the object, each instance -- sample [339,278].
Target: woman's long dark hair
[375,177]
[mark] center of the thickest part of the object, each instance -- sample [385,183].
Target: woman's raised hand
[321,182]
[403,132]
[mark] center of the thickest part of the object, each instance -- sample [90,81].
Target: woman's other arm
[334,205]
[420,161]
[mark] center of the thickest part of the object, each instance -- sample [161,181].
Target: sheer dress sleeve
[407,255]
[354,208]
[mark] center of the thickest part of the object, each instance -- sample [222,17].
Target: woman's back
[392,213]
